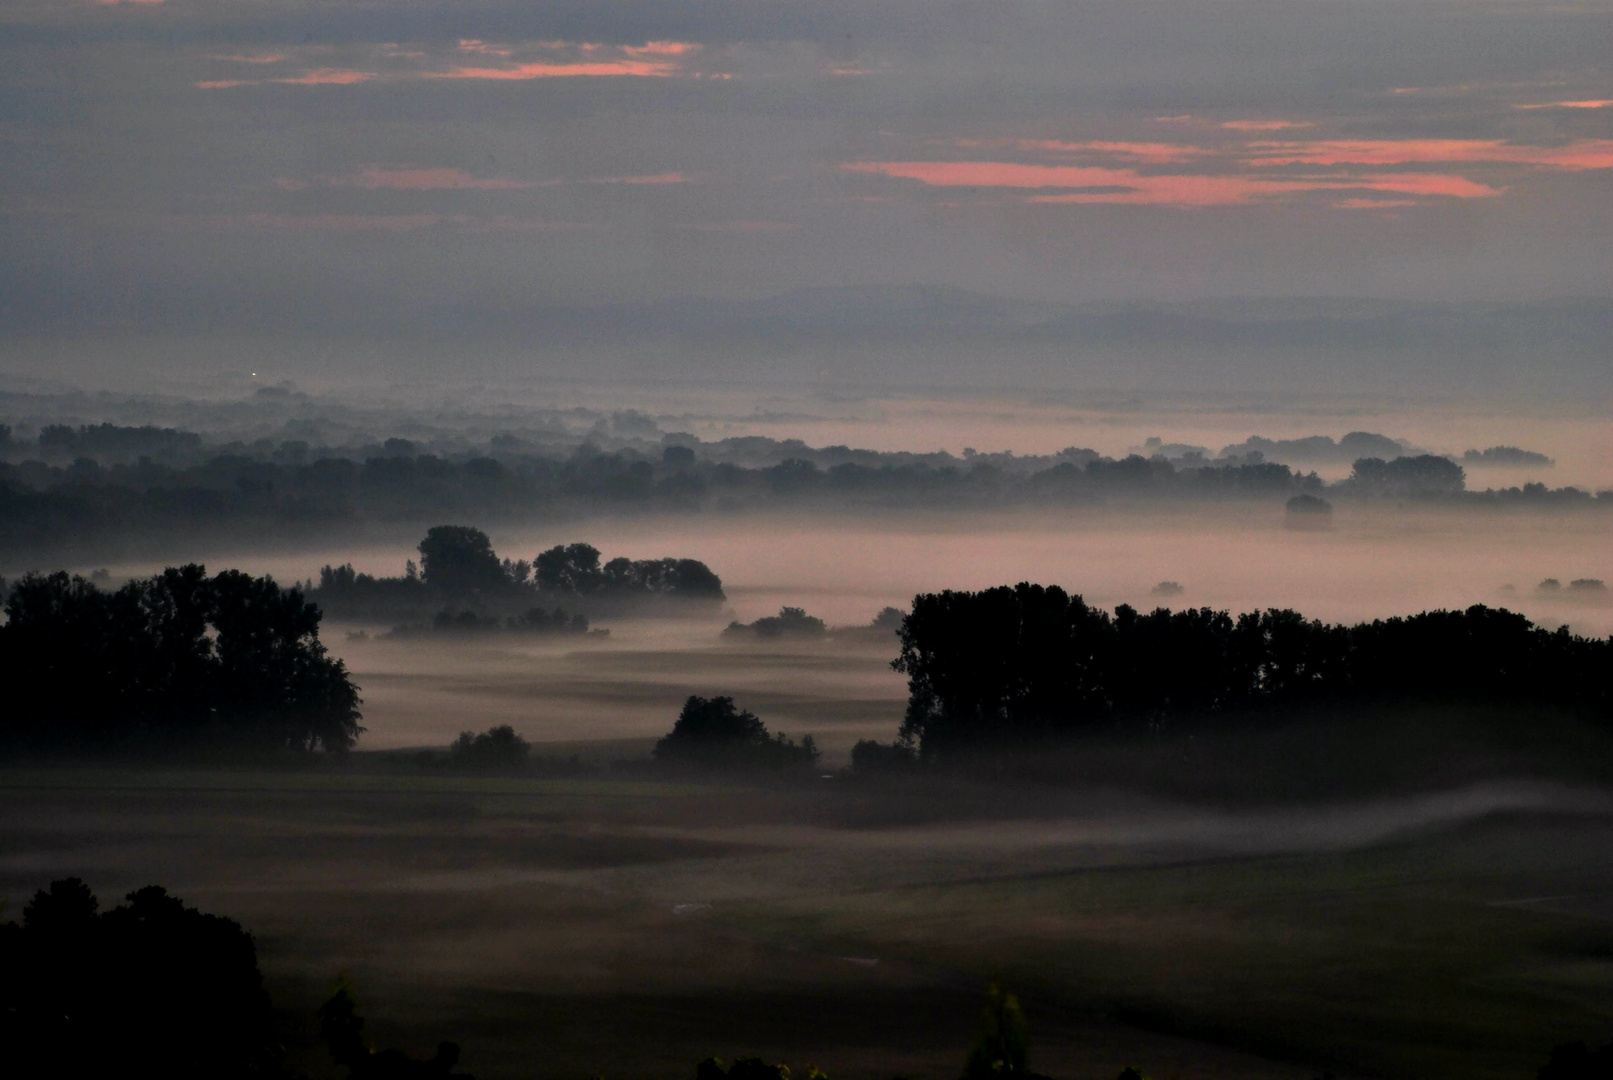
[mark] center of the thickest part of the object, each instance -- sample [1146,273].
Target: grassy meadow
[1414,896]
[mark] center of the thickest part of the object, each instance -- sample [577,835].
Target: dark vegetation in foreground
[101,488]
[156,987]
[178,662]
[1010,667]
[460,570]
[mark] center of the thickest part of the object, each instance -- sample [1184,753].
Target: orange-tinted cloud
[1593,103]
[657,178]
[1105,185]
[1264,125]
[267,58]
[1157,152]
[495,62]
[544,70]
[1586,154]
[430,180]
[325,77]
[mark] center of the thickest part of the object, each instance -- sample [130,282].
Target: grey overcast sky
[299,163]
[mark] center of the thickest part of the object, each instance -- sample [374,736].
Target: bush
[713,732]
[497,749]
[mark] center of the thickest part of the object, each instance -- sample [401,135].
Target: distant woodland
[105,488]
[468,586]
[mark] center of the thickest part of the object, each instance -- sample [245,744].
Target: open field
[1430,923]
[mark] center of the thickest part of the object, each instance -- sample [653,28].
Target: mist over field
[650,540]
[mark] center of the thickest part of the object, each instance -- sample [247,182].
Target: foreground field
[627,928]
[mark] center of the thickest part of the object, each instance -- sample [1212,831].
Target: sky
[307,168]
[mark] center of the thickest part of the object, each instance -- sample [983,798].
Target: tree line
[178,660]
[95,485]
[460,571]
[1008,665]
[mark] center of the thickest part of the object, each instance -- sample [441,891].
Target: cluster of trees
[715,732]
[1010,664]
[459,569]
[151,984]
[178,660]
[153,987]
[789,622]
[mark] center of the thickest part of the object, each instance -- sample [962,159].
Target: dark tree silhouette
[342,1029]
[179,659]
[713,731]
[1007,665]
[459,560]
[150,987]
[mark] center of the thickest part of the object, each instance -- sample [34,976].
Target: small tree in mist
[497,749]
[713,731]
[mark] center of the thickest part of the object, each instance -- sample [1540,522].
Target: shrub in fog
[789,622]
[714,731]
[494,750]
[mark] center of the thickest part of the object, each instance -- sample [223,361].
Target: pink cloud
[327,77]
[328,222]
[221,84]
[1128,186]
[472,45]
[268,58]
[1594,103]
[542,70]
[429,180]
[1587,154]
[661,48]
[1263,125]
[657,178]
[1137,151]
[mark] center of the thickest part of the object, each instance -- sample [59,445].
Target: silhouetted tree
[342,1029]
[713,731]
[151,987]
[497,749]
[179,659]
[459,560]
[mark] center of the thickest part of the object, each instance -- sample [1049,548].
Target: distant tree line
[178,660]
[1014,664]
[459,569]
[90,486]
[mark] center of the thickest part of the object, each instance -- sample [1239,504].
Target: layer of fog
[1377,561]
